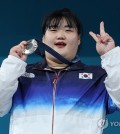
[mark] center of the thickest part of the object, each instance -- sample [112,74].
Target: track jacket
[73,101]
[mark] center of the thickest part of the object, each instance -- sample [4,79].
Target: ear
[79,40]
[43,39]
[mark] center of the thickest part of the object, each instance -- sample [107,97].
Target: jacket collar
[77,65]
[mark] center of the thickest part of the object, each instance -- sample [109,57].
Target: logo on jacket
[28,75]
[85,75]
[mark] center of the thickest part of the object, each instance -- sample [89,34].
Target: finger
[15,51]
[94,36]
[102,29]
[23,44]
[98,36]
[106,38]
[18,50]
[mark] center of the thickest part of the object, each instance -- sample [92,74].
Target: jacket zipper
[53,100]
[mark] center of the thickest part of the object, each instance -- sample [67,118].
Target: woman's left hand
[104,42]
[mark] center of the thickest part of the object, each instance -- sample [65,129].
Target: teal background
[21,20]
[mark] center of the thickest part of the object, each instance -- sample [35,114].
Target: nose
[61,35]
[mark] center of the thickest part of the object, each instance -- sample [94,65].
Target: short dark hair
[53,20]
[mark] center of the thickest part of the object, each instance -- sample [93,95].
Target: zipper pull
[55,79]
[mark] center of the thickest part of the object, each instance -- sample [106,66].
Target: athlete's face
[63,39]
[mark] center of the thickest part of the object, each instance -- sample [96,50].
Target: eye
[69,30]
[53,30]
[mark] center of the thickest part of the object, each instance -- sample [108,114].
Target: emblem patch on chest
[85,75]
[28,75]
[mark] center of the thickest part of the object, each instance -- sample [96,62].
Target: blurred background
[21,20]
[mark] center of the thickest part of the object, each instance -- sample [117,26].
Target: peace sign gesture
[104,42]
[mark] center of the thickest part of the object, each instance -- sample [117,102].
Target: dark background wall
[21,20]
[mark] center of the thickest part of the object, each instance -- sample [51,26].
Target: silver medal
[30,47]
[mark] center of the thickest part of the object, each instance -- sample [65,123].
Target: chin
[65,55]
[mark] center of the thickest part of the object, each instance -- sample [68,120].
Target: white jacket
[67,114]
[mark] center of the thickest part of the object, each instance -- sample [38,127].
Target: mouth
[60,44]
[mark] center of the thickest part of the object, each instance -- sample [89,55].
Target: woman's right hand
[17,51]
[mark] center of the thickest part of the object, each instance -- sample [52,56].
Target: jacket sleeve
[10,70]
[111,63]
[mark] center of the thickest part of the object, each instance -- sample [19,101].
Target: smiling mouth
[60,44]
